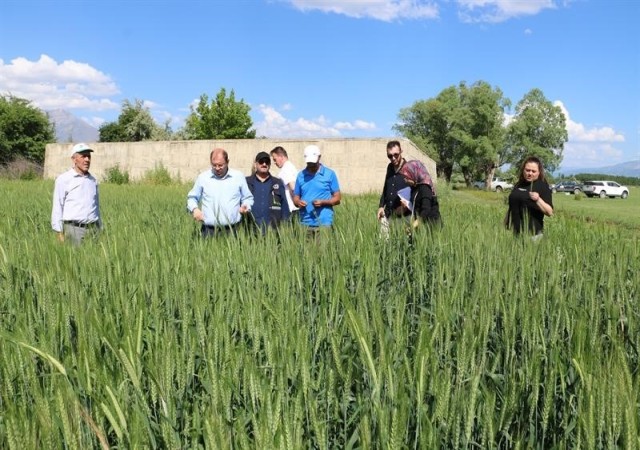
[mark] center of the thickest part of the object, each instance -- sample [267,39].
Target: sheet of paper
[405,194]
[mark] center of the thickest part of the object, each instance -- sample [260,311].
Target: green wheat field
[465,338]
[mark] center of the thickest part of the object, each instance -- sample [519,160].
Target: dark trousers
[222,230]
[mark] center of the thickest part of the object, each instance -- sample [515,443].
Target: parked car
[573,187]
[604,189]
[497,184]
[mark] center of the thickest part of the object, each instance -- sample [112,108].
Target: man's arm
[297,194]
[193,201]
[246,197]
[58,206]
[284,204]
[290,187]
[100,224]
[335,199]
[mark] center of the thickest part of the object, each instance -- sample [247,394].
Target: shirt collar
[228,174]
[255,175]
[79,174]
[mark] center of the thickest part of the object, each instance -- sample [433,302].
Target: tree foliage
[134,124]
[538,129]
[428,123]
[223,118]
[461,127]
[625,180]
[25,130]
[481,132]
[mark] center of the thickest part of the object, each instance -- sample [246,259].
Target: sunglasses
[393,155]
[265,161]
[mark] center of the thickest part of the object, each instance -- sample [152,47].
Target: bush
[21,169]
[158,176]
[116,176]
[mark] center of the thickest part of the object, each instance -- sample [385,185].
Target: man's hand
[299,202]
[198,215]
[244,209]
[380,213]
[60,237]
[319,203]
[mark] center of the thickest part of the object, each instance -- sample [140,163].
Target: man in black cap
[270,205]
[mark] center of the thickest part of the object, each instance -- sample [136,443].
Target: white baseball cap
[81,147]
[311,154]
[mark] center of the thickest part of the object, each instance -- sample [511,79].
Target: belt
[221,227]
[75,223]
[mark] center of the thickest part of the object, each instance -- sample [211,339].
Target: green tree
[538,129]
[481,132]
[134,124]
[24,130]
[224,118]
[429,125]
[461,127]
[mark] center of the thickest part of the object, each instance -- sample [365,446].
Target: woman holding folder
[420,195]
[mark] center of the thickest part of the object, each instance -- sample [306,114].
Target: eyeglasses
[265,162]
[393,155]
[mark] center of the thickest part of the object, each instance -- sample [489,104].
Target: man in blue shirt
[219,197]
[316,192]
[270,205]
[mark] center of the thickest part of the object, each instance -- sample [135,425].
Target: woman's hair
[531,159]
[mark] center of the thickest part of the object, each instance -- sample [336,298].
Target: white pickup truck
[497,184]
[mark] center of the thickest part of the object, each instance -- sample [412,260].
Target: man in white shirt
[76,204]
[288,174]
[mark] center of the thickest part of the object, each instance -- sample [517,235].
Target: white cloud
[356,125]
[582,154]
[150,104]
[579,133]
[275,124]
[163,116]
[494,11]
[472,11]
[52,85]
[385,10]
[590,147]
[94,121]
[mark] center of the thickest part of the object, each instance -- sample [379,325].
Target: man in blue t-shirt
[316,192]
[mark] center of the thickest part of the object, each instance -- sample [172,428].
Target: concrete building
[359,163]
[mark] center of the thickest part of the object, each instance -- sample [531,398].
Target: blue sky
[329,68]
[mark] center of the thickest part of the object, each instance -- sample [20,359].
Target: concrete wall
[359,163]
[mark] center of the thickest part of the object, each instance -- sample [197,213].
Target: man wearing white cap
[316,192]
[76,204]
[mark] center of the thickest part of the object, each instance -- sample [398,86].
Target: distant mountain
[69,128]
[625,169]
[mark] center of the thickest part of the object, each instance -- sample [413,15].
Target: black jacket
[270,205]
[389,199]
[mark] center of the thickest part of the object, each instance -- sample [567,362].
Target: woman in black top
[530,200]
[423,197]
